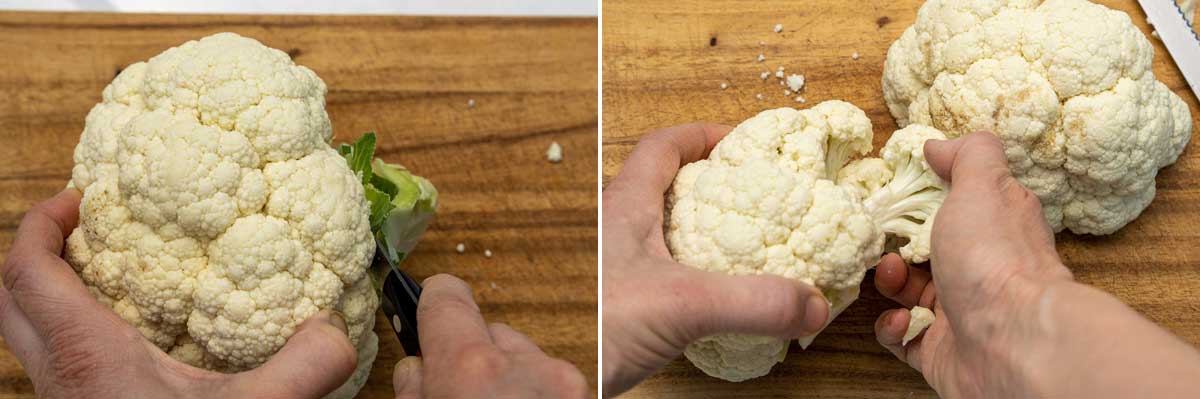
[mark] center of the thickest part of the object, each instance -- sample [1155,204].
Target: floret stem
[901,227]
[911,194]
[835,158]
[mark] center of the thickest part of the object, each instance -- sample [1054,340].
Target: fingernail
[406,376]
[337,319]
[407,364]
[815,313]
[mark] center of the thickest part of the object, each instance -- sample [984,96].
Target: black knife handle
[401,294]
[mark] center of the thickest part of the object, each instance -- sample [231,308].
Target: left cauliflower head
[765,202]
[215,215]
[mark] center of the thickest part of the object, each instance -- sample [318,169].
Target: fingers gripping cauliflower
[215,216]
[767,201]
[1065,84]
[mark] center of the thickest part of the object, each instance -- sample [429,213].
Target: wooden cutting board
[664,63]
[408,78]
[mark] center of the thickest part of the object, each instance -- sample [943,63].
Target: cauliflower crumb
[759,96]
[787,93]
[778,28]
[554,153]
[471,103]
[795,82]
[765,75]
[779,73]
[724,85]
[460,248]
[493,284]
[800,99]
[761,58]
[487,253]
[1154,34]
[854,56]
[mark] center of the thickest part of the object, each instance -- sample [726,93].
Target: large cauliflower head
[215,215]
[1065,84]
[765,201]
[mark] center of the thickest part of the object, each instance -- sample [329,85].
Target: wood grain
[663,65]
[408,78]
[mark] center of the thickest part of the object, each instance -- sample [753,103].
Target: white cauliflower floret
[863,176]
[763,203]
[174,170]
[215,217]
[736,357]
[1067,87]
[236,83]
[906,205]
[309,193]
[260,284]
[919,319]
[847,134]
[835,128]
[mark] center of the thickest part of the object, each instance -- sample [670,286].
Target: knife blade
[1183,45]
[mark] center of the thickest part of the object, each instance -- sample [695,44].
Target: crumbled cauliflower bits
[795,82]
[554,153]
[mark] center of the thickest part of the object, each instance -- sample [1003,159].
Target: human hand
[653,306]
[993,255]
[464,357]
[72,346]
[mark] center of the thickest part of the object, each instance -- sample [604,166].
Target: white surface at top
[406,7]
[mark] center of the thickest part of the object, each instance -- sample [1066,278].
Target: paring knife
[400,297]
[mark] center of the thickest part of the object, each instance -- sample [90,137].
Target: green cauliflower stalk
[402,204]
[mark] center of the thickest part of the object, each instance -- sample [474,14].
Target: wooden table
[409,78]
[664,63]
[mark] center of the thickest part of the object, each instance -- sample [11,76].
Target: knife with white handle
[1177,35]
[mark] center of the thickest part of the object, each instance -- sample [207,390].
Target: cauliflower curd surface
[215,215]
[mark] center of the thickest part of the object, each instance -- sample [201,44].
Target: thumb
[759,305]
[966,159]
[317,359]
[406,378]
